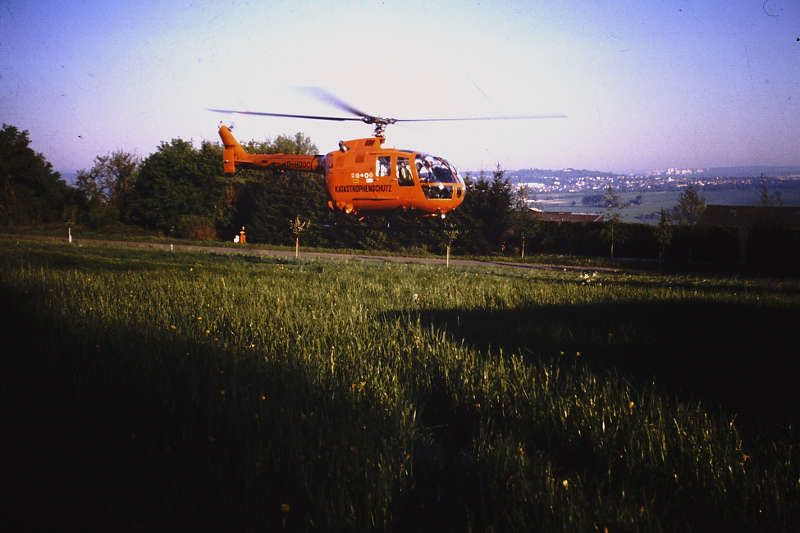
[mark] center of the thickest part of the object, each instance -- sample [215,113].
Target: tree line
[180,190]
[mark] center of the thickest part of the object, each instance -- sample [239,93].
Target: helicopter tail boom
[234,155]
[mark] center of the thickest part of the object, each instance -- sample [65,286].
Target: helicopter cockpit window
[458,176]
[424,169]
[404,178]
[382,165]
[434,170]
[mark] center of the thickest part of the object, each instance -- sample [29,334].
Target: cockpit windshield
[432,169]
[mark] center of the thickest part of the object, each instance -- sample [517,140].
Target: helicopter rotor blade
[516,117]
[325,96]
[264,114]
[380,123]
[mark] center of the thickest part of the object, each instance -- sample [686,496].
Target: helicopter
[363,177]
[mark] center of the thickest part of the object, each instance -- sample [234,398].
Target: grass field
[149,389]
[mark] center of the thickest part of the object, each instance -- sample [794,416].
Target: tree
[180,181]
[297,145]
[663,234]
[765,198]
[485,213]
[612,217]
[521,197]
[30,190]
[107,188]
[500,203]
[523,225]
[690,208]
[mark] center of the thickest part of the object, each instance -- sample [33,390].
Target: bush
[195,227]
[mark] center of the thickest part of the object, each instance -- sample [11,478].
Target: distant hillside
[754,171]
[529,174]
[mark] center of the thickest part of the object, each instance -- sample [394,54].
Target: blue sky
[645,85]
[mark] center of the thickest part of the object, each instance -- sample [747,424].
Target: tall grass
[249,393]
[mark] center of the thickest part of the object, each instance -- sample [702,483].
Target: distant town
[645,193]
[570,180]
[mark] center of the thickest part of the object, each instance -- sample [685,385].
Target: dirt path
[323,255]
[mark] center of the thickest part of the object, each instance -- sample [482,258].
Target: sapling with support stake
[298,226]
[451,233]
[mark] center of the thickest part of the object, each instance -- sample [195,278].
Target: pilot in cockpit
[425,168]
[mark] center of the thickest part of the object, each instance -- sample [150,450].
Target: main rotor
[380,123]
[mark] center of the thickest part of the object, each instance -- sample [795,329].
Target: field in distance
[248,393]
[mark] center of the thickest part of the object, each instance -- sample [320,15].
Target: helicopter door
[404,178]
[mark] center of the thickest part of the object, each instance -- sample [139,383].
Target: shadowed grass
[149,388]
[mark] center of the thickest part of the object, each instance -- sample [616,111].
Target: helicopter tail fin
[233,150]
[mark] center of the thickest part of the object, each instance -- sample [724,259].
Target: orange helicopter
[362,176]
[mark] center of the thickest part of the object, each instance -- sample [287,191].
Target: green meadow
[149,390]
